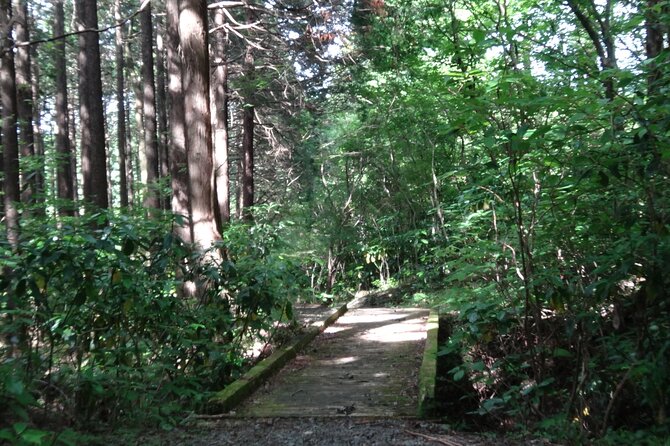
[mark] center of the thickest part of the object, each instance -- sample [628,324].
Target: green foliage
[101,328]
[478,149]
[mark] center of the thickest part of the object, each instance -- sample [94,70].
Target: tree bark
[248,139]
[64,173]
[598,30]
[194,43]
[92,121]
[74,158]
[10,143]
[140,154]
[653,43]
[151,200]
[220,124]
[24,103]
[178,158]
[161,106]
[121,139]
[37,126]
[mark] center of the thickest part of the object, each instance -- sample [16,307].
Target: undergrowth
[97,329]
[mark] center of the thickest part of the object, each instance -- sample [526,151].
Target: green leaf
[561,353]
[15,386]
[478,366]
[479,35]
[34,436]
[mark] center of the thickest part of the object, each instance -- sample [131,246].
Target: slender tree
[75,152]
[24,102]
[140,154]
[655,29]
[220,122]
[64,173]
[161,106]
[247,174]
[37,124]
[121,139]
[130,158]
[93,155]
[151,199]
[194,43]
[597,26]
[178,157]
[10,143]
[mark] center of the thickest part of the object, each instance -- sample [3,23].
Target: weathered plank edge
[226,399]
[428,371]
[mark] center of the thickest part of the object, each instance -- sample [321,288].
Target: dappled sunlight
[340,361]
[377,316]
[366,365]
[406,331]
[337,328]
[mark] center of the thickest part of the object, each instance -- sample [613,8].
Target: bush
[97,327]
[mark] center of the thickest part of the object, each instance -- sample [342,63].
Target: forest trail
[364,365]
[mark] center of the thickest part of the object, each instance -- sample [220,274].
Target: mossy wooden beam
[237,391]
[428,371]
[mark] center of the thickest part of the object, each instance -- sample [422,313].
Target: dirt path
[304,431]
[366,364]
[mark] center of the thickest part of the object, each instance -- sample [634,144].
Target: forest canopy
[177,175]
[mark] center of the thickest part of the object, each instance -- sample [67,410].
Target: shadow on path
[366,364]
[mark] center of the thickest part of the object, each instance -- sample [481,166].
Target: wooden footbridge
[361,362]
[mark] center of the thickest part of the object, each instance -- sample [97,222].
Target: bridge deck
[366,364]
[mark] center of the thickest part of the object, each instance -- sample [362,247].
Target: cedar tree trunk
[220,124]
[151,200]
[64,173]
[178,157]
[194,44]
[92,121]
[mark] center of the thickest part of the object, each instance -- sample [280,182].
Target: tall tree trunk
[15,337]
[24,102]
[64,172]
[121,108]
[37,126]
[109,167]
[161,105]
[178,157]
[248,139]
[654,43]
[134,153]
[92,121]
[151,200]
[74,158]
[247,161]
[598,30]
[141,153]
[10,143]
[194,43]
[130,160]
[220,124]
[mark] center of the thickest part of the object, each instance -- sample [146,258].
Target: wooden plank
[237,391]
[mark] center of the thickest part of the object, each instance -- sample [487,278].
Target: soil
[319,431]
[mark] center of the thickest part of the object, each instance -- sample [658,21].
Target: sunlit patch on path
[366,364]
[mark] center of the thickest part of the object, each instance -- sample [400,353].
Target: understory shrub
[97,324]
